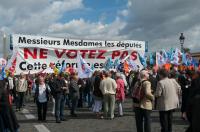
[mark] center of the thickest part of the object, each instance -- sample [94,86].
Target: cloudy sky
[157,21]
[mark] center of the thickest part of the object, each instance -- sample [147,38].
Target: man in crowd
[193,107]
[60,97]
[74,93]
[167,99]
[108,88]
[143,106]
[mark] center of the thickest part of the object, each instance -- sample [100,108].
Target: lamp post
[182,38]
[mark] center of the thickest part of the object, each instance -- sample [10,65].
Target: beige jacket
[23,87]
[167,94]
[108,86]
[146,102]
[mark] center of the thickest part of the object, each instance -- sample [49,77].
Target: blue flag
[2,73]
[108,64]
[184,59]
[151,59]
[142,60]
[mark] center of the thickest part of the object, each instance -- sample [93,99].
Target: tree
[186,50]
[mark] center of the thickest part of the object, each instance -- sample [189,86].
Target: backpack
[138,93]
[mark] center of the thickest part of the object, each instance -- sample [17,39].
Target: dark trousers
[74,102]
[68,100]
[60,101]
[20,100]
[88,98]
[166,120]
[142,118]
[80,100]
[42,110]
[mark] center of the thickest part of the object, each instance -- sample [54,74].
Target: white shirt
[11,85]
[42,93]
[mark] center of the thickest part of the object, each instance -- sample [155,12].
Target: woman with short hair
[41,92]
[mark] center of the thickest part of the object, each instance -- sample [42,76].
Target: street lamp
[182,38]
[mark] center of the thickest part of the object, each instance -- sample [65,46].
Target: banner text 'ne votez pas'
[35,53]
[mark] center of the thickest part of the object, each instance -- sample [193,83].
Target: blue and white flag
[108,64]
[184,59]
[84,70]
[132,64]
[116,63]
[62,68]
[151,61]
[2,73]
[158,59]
[164,57]
[175,57]
[142,60]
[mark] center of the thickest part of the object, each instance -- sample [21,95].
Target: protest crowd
[149,89]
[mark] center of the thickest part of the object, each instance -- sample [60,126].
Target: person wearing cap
[144,107]
[21,88]
[120,95]
[108,88]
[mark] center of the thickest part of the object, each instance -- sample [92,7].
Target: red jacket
[120,95]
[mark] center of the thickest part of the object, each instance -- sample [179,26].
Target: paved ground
[87,122]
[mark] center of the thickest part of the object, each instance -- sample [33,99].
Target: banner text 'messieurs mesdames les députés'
[37,52]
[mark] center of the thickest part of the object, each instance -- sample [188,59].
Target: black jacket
[193,106]
[97,92]
[7,116]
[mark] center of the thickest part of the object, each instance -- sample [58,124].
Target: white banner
[35,53]
[39,59]
[66,43]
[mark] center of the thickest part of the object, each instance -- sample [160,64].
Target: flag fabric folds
[84,70]
[151,61]
[108,64]
[142,60]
